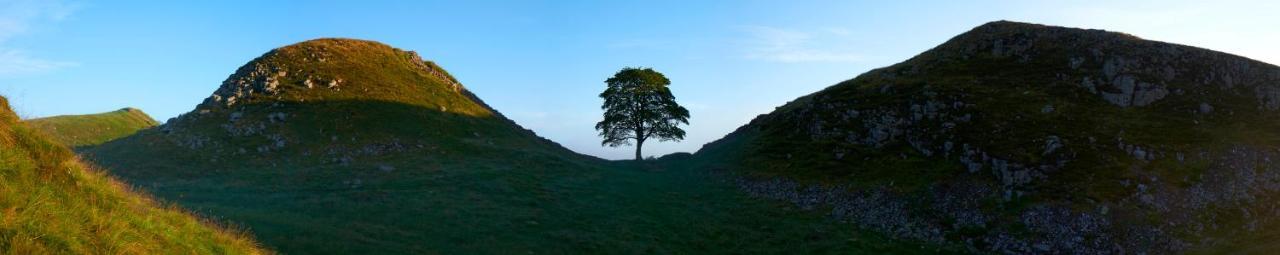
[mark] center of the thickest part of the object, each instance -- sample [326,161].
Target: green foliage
[50,203]
[638,105]
[93,129]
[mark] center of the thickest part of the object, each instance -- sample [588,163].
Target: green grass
[502,191]
[464,179]
[539,204]
[51,203]
[93,129]
[470,181]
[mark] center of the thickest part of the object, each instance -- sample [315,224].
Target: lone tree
[639,106]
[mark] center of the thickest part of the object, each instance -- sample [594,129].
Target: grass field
[528,204]
[478,186]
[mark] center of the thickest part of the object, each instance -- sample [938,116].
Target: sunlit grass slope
[51,203]
[93,129]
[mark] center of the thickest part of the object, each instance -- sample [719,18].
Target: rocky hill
[51,203]
[329,121]
[94,129]
[332,101]
[1021,138]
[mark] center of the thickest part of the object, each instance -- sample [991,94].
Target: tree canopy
[638,106]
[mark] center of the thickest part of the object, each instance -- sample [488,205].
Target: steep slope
[93,129]
[1025,138]
[50,203]
[340,146]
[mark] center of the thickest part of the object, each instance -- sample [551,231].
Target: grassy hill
[93,129]
[340,146]
[1026,138]
[51,203]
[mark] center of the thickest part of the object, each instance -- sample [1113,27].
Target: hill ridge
[315,70]
[1017,122]
[277,103]
[84,130]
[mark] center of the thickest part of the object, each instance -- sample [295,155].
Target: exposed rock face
[1033,139]
[257,78]
[1059,228]
[1133,93]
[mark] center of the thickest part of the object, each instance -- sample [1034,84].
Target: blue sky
[542,63]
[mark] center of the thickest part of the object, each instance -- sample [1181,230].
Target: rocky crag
[1021,138]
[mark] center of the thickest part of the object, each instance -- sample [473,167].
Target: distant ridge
[93,129]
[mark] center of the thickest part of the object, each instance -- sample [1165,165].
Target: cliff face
[1024,138]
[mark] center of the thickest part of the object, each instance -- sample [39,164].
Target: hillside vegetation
[51,203]
[341,146]
[93,129]
[1011,138]
[1023,138]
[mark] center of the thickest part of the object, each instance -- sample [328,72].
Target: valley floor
[560,206]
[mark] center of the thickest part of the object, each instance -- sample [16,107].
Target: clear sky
[543,63]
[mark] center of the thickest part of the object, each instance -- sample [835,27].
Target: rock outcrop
[296,101]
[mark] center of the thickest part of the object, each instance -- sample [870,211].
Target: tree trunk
[639,143]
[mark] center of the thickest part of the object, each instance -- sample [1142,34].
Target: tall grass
[51,203]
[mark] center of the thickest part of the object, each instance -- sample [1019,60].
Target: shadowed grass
[397,158]
[477,185]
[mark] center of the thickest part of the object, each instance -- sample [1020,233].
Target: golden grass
[52,203]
